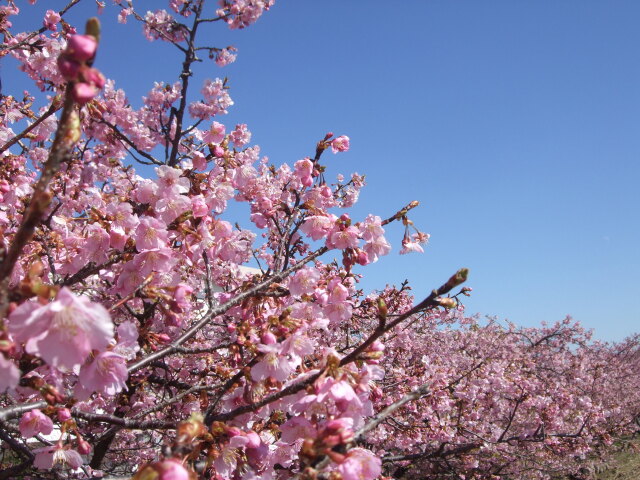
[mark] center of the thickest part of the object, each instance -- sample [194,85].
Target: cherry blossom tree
[135,343]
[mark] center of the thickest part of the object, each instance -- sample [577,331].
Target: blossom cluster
[145,334]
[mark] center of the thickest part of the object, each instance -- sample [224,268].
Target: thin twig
[214,312]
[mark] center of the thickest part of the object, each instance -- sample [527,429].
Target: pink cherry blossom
[340,144]
[253,353]
[160,25]
[304,281]
[242,13]
[273,364]
[240,136]
[64,331]
[318,226]
[81,47]
[360,464]
[171,179]
[9,374]
[215,134]
[34,423]
[63,414]
[303,170]
[224,57]
[83,92]
[106,374]
[297,427]
[48,457]
[343,238]
[371,228]
[164,470]
[51,20]
[151,233]
[411,246]
[124,13]
[377,248]
[215,102]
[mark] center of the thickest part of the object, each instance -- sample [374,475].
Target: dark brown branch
[511,417]
[189,58]
[90,269]
[290,390]
[432,301]
[16,446]
[126,422]
[123,138]
[374,421]
[17,410]
[401,213]
[40,199]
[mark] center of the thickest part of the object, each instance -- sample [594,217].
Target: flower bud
[69,68]
[268,338]
[218,151]
[326,192]
[81,47]
[446,302]
[94,77]
[84,447]
[165,470]
[254,440]
[64,414]
[83,92]
[382,308]
[191,428]
[362,258]
[92,27]
[459,277]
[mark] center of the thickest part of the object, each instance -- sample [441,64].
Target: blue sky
[515,124]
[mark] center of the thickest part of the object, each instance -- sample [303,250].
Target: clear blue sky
[515,124]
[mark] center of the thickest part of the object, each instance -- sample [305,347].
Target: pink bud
[268,338]
[64,414]
[84,447]
[254,440]
[325,191]
[83,92]
[69,68]
[81,47]
[338,424]
[93,76]
[363,258]
[331,440]
[218,151]
[306,181]
[164,470]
